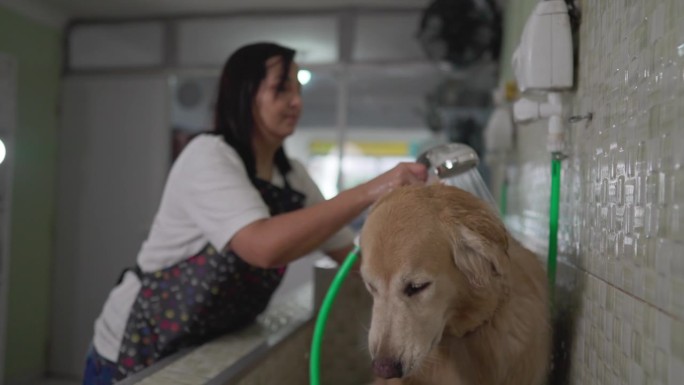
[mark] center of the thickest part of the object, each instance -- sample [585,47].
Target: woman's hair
[240,79]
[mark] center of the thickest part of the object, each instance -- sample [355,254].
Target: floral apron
[199,298]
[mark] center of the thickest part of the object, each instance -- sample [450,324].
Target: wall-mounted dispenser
[543,60]
[500,141]
[499,128]
[543,63]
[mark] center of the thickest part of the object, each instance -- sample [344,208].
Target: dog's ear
[479,247]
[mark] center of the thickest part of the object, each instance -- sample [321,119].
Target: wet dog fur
[456,299]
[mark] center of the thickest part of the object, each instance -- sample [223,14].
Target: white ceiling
[60,11]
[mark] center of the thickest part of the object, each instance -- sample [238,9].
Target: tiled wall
[621,304]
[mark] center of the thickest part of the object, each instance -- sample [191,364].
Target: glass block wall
[620,300]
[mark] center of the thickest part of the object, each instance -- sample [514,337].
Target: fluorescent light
[304,76]
[3,151]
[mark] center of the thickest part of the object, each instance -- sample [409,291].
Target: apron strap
[135,269]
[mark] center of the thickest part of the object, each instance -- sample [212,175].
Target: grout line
[664,311]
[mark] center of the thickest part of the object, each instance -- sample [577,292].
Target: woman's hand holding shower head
[403,174]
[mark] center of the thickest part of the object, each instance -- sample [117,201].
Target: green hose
[319,330]
[553,222]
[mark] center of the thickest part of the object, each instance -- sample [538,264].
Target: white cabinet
[114,154]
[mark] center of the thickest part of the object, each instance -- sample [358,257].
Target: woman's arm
[278,240]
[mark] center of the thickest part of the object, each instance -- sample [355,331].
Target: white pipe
[525,110]
[553,107]
[556,137]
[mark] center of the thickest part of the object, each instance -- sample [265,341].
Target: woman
[235,211]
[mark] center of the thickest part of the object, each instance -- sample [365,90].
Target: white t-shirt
[208,197]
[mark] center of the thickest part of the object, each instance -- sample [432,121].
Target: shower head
[455,165]
[450,159]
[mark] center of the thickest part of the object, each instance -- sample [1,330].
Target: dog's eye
[414,288]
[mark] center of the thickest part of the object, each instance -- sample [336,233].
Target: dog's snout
[387,368]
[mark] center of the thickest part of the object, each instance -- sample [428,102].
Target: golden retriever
[456,299]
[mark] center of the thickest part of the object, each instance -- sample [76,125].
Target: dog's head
[434,259]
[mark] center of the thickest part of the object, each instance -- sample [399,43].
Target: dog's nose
[387,368]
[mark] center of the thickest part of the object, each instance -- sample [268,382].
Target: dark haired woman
[235,211]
